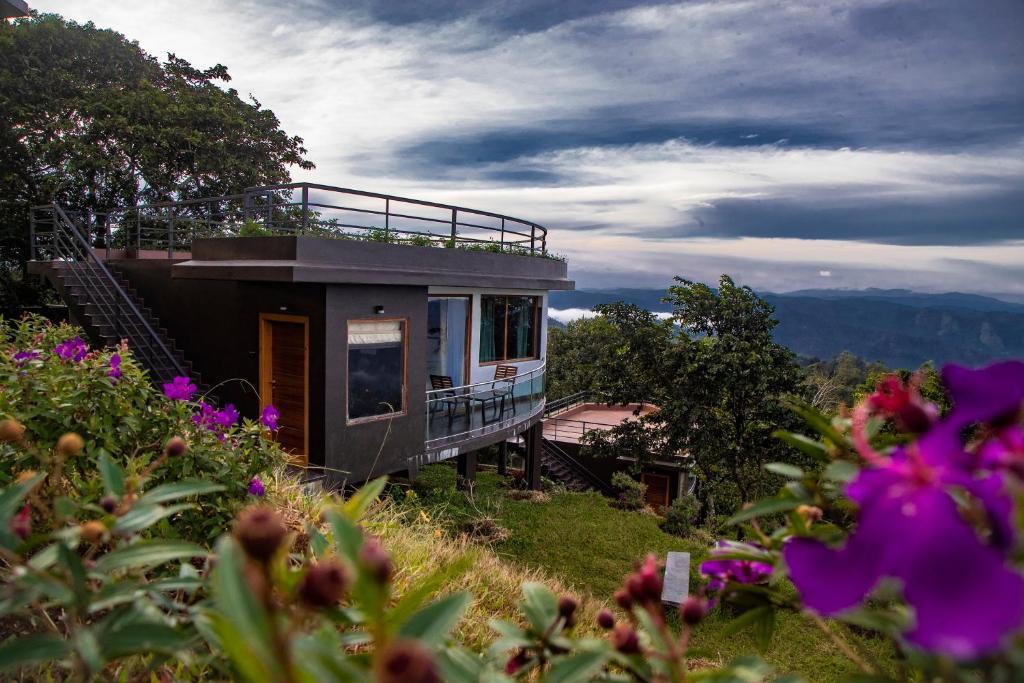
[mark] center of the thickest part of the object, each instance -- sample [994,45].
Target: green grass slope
[581,540]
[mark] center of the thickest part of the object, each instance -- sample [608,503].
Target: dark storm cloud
[506,16]
[978,219]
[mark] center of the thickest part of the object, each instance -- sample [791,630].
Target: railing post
[107,235]
[305,207]
[170,232]
[387,215]
[503,233]
[454,214]
[270,209]
[533,238]
[138,233]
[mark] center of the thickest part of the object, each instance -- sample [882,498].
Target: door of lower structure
[284,379]
[657,490]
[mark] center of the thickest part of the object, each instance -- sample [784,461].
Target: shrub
[680,516]
[53,384]
[420,241]
[251,228]
[630,492]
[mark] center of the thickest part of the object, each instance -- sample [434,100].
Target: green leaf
[785,470]
[241,622]
[840,471]
[144,516]
[18,651]
[348,538]
[748,618]
[178,489]
[356,506]
[805,445]
[539,605]
[819,423]
[580,666]
[426,587]
[148,554]
[142,638]
[433,623]
[765,507]
[460,666]
[110,473]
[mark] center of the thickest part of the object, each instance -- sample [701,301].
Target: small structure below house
[565,422]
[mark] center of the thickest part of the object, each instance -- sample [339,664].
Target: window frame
[537,307]
[404,326]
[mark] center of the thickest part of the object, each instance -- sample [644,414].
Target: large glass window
[376,368]
[447,325]
[509,328]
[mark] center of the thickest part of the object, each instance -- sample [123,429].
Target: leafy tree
[723,394]
[92,121]
[831,383]
[720,383]
[618,353]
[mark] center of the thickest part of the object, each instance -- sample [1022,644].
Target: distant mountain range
[898,327]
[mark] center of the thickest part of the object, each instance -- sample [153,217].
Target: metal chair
[446,396]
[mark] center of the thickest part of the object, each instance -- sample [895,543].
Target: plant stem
[843,646]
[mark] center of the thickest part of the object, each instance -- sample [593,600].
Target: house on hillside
[389,332]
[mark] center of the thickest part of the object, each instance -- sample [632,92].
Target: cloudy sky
[792,144]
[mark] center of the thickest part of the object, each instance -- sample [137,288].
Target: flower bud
[324,583]
[109,504]
[21,523]
[810,513]
[375,560]
[635,587]
[693,610]
[605,620]
[11,431]
[650,579]
[260,531]
[92,531]
[623,599]
[70,445]
[406,661]
[175,447]
[567,610]
[517,662]
[625,640]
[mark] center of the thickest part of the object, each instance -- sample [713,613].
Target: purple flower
[256,488]
[179,389]
[720,572]
[269,417]
[990,394]
[23,357]
[115,368]
[73,349]
[218,421]
[966,598]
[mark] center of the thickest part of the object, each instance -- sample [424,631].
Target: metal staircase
[566,469]
[101,300]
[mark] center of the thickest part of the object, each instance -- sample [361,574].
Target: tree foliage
[94,122]
[712,369]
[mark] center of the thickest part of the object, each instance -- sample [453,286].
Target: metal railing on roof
[310,209]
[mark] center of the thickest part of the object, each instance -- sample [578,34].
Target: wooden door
[657,490]
[284,379]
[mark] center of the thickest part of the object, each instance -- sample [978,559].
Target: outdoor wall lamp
[379,310]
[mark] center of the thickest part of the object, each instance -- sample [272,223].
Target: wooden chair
[505,380]
[446,396]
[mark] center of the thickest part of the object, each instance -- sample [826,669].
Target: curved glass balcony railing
[467,412]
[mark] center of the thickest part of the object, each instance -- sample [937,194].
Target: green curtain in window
[520,314]
[488,310]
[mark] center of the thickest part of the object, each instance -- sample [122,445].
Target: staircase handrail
[577,467]
[111,282]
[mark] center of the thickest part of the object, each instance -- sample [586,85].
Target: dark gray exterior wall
[354,448]
[216,324]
